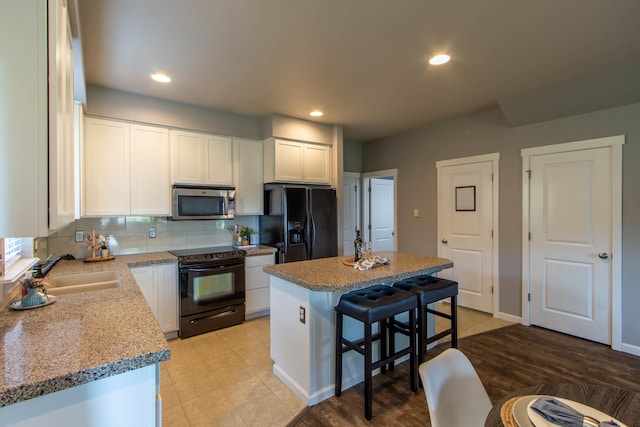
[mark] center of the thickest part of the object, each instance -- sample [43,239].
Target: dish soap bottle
[357,246]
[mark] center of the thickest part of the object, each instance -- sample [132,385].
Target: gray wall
[352,156]
[415,153]
[127,106]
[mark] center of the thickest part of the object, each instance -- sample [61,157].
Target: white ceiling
[363,62]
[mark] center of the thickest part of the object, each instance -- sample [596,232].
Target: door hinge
[369,227]
[355,188]
[529,235]
[529,172]
[491,290]
[492,234]
[369,189]
[491,177]
[529,297]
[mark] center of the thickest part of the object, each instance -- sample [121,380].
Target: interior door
[465,227]
[350,210]
[570,240]
[382,215]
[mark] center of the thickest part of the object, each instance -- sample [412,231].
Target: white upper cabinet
[105,168]
[125,169]
[149,170]
[62,170]
[200,159]
[247,176]
[295,161]
[28,148]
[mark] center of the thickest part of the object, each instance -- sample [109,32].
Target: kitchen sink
[83,282]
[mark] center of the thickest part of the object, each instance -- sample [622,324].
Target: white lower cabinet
[127,399]
[257,284]
[159,285]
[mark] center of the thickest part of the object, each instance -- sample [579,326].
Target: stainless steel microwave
[193,203]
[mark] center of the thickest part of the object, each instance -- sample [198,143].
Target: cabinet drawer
[257,300]
[259,260]
[256,278]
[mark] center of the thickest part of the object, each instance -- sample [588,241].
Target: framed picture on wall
[466,198]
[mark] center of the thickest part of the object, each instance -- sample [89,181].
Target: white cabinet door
[289,161]
[61,110]
[187,157]
[247,176]
[218,166]
[257,284]
[149,155]
[296,161]
[166,282]
[317,164]
[106,168]
[197,158]
[159,285]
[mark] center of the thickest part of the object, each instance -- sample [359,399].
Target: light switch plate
[416,213]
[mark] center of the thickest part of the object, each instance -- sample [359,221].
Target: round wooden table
[623,405]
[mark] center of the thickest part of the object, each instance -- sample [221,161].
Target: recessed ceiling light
[316,113]
[439,59]
[162,78]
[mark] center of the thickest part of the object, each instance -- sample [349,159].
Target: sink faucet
[42,268]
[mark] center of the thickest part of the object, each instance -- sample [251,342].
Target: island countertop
[332,275]
[82,337]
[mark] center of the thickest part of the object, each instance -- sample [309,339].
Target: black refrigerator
[301,221]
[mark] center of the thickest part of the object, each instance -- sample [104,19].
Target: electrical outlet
[303,315]
[152,232]
[79,236]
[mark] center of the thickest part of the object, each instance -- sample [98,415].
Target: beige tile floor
[224,377]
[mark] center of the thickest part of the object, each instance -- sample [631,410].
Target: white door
[351,210]
[570,226]
[466,229]
[382,214]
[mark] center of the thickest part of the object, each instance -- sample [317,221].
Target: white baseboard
[508,317]
[631,349]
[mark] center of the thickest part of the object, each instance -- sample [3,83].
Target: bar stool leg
[422,332]
[454,321]
[338,368]
[383,349]
[391,344]
[368,380]
[413,362]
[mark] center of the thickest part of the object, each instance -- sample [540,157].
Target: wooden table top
[623,405]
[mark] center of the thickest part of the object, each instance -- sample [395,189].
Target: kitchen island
[90,358]
[303,297]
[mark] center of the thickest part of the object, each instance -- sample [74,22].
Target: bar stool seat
[428,290]
[376,304]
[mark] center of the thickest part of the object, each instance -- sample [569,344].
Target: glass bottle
[357,246]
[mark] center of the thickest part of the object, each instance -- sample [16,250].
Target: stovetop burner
[214,254]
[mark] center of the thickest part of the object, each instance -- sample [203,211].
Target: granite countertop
[332,275]
[81,337]
[260,250]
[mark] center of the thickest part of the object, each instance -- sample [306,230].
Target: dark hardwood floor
[506,359]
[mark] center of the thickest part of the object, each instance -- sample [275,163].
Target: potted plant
[246,234]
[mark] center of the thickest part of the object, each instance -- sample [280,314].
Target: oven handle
[215,316]
[208,268]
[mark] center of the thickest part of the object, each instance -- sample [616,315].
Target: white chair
[455,394]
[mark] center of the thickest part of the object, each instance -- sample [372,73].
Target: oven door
[204,288]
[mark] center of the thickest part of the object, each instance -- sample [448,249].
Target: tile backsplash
[130,235]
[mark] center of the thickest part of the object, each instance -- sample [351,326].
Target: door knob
[444,241]
[603,255]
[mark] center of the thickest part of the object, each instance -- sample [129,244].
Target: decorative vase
[105,253]
[33,297]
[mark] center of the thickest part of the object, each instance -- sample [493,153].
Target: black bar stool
[429,290]
[376,304]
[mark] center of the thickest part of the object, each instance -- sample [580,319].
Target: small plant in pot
[246,234]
